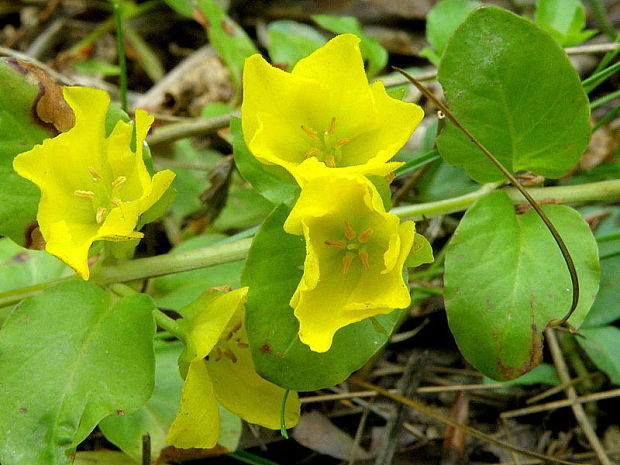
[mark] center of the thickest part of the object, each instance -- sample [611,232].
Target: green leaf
[154,418]
[272,271]
[514,88]
[564,20]
[601,344]
[371,49]
[20,130]
[272,182]
[505,278]
[177,290]
[290,41]
[421,252]
[229,40]
[69,357]
[540,374]
[183,7]
[244,208]
[441,22]
[606,307]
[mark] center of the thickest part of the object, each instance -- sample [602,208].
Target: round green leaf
[505,278]
[601,344]
[513,87]
[272,271]
[20,130]
[69,357]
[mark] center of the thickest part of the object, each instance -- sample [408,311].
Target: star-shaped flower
[323,115]
[355,253]
[220,370]
[93,187]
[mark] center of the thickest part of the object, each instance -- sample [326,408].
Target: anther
[365,235]
[100,215]
[242,345]
[347,260]
[230,354]
[218,354]
[337,244]
[363,255]
[118,182]
[341,142]
[237,327]
[229,336]
[115,201]
[332,126]
[84,194]
[96,176]
[330,161]
[312,152]
[311,132]
[348,231]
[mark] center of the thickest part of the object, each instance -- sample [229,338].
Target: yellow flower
[221,371]
[355,253]
[92,187]
[323,114]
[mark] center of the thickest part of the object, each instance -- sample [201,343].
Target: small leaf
[229,40]
[601,344]
[69,357]
[290,41]
[441,22]
[606,309]
[371,49]
[505,278]
[514,88]
[421,252]
[564,20]
[272,182]
[272,271]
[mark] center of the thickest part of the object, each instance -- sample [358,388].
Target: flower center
[229,345]
[354,245]
[326,146]
[104,197]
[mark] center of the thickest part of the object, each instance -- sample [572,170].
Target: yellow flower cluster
[326,126]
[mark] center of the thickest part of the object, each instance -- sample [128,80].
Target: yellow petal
[242,391]
[197,423]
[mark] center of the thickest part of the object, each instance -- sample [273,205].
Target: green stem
[604,190]
[143,268]
[606,98]
[168,324]
[122,62]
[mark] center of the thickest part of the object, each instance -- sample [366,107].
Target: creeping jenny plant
[323,114]
[93,187]
[220,368]
[355,253]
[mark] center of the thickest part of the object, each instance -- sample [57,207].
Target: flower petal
[197,423]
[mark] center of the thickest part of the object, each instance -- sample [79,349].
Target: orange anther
[337,244]
[341,142]
[348,231]
[311,132]
[96,176]
[311,153]
[218,354]
[237,326]
[231,355]
[115,201]
[347,260]
[118,182]
[332,126]
[330,161]
[365,235]
[363,255]
[100,215]
[242,345]
[84,194]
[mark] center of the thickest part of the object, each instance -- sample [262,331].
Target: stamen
[242,345]
[96,176]
[311,132]
[230,354]
[390,177]
[118,182]
[347,260]
[332,126]
[330,161]
[311,153]
[341,142]
[237,327]
[365,235]
[115,201]
[337,244]
[84,194]
[218,354]
[229,336]
[348,231]
[363,255]
[101,214]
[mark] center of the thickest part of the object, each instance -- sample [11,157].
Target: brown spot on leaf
[265,349]
[23,410]
[120,412]
[228,29]
[536,346]
[50,107]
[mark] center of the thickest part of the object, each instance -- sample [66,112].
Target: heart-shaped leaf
[505,278]
[512,86]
